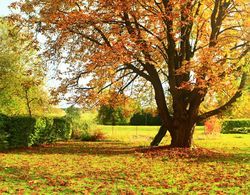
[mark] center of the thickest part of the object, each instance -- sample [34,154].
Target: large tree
[185,49]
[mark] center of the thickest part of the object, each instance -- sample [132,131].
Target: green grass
[122,166]
[142,135]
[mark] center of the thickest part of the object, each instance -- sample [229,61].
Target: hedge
[21,130]
[3,132]
[241,126]
[28,131]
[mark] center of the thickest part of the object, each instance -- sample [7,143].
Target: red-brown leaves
[115,167]
[168,152]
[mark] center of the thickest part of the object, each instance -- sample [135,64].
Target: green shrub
[61,129]
[20,131]
[29,131]
[80,122]
[94,136]
[84,132]
[3,121]
[241,130]
[46,135]
[49,130]
[84,124]
[3,132]
[236,126]
[4,144]
[43,131]
[86,136]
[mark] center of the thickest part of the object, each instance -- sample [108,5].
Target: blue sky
[4,10]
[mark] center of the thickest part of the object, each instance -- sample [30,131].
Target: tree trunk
[161,133]
[28,102]
[182,135]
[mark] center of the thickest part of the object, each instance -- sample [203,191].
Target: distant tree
[108,115]
[187,49]
[119,113]
[145,117]
[73,113]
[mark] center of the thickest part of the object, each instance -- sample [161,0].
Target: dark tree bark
[159,136]
[28,102]
[182,136]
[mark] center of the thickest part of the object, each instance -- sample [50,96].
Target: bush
[4,144]
[241,130]
[80,122]
[85,124]
[61,129]
[49,130]
[28,131]
[212,126]
[86,137]
[21,130]
[3,121]
[43,131]
[3,132]
[236,126]
[95,136]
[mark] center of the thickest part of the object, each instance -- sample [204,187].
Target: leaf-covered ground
[114,167]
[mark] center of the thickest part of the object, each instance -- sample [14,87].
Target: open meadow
[122,164]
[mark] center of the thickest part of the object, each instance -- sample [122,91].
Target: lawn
[123,165]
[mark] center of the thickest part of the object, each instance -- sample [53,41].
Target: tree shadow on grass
[241,158]
[80,148]
[110,148]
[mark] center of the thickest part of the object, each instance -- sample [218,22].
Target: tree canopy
[185,49]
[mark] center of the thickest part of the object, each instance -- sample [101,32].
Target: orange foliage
[104,38]
[182,48]
[212,126]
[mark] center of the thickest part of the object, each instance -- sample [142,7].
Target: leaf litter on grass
[121,168]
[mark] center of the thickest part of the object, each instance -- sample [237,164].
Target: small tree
[109,115]
[73,115]
[212,125]
[21,78]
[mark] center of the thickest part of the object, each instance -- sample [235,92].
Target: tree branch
[138,71]
[103,36]
[228,104]
[85,36]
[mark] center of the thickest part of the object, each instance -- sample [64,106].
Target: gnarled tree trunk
[182,135]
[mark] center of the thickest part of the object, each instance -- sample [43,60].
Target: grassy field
[123,165]
[142,135]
